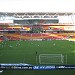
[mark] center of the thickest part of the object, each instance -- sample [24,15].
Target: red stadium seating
[1,28]
[28,36]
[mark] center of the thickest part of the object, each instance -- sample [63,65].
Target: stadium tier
[43,36]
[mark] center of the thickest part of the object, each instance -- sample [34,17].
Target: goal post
[51,59]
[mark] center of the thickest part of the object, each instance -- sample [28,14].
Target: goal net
[51,59]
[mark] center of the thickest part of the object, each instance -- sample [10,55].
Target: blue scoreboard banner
[30,67]
[43,67]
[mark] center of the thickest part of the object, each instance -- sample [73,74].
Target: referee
[36,57]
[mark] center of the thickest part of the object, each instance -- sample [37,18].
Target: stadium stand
[51,36]
[1,28]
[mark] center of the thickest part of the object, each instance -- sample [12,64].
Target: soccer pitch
[25,51]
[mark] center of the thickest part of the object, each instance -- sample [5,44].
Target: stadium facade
[38,25]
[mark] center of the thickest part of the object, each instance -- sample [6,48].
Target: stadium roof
[36,13]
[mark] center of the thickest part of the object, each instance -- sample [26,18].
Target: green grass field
[25,52]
